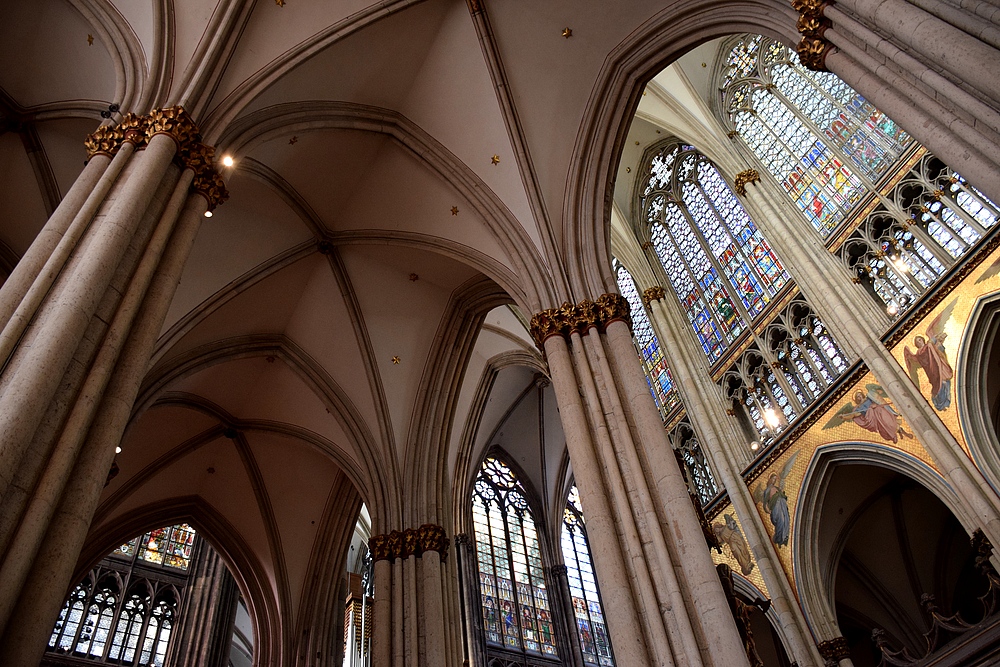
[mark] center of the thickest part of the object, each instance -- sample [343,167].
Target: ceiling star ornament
[280,3]
[294,140]
[567,33]
[495,160]
[454,210]
[414,277]
[90,40]
[395,360]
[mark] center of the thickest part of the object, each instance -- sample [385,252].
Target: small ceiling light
[893,309]
[228,161]
[771,418]
[208,214]
[118,450]
[755,445]
[900,265]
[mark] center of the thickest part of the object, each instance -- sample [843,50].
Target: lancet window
[661,384]
[124,610]
[831,149]
[823,142]
[730,284]
[588,613]
[516,611]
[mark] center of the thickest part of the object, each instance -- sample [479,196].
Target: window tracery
[661,384]
[516,610]
[124,610]
[824,143]
[595,643]
[698,473]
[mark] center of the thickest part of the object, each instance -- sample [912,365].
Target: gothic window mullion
[771,364]
[513,576]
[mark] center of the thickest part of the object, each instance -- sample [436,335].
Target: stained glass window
[587,610]
[169,546]
[826,144]
[697,472]
[661,385]
[516,610]
[719,265]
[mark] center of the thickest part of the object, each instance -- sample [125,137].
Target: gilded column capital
[834,650]
[378,545]
[207,182]
[580,318]
[433,538]
[812,24]
[654,293]
[102,141]
[463,540]
[743,179]
[175,122]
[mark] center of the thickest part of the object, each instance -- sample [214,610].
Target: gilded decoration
[653,294]
[929,345]
[858,412]
[580,318]
[743,179]
[410,542]
[812,52]
[835,649]
[176,123]
[812,25]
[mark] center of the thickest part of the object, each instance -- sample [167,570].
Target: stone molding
[409,542]
[580,318]
[813,47]
[558,570]
[743,179]
[176,123]
[654,293]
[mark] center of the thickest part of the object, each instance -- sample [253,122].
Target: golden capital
[102,141]
[174,122]
[207,182]
[809,7]
[580,318]
[812,52]
[432,538]
[743,178]
[654,293]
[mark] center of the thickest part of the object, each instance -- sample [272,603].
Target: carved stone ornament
[580,318]
[463,540]
[834,650]
[432,538]
[378,545]
[812,52]
[410,542]
[743,179]
[176,123]
[654,293]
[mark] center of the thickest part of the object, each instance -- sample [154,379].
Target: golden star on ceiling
[90,40]
[280,3]
[454,210]
[414,277]
[495,160]
[567,33]
[294,140]
[395,360]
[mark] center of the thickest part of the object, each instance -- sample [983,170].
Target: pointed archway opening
[889,544]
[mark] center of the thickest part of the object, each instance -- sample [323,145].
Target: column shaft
[432,617]
[382,614]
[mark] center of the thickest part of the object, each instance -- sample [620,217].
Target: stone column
[207,613]
[133,295]
[472,613]
[716,431]
[966,57]
[684,615]
[434,549]
[559,577]
[382,608]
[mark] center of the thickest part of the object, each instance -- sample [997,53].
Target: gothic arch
[814,583]
[250,575]
[977,412]
[651,47]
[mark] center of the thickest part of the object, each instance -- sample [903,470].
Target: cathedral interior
[492,333]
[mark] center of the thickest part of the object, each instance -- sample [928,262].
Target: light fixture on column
[208,214]
[754,445]
[892,309]
[771,418]
[118,450]
[227,161]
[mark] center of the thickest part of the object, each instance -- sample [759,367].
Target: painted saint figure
[774,501]
[729,533]
[931,357]
[872,412]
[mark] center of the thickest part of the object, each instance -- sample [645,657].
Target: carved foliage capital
[812,52]
[102,141]
[743,179]
[410,542]
[175,122]
[580,318]
[834,649]
[654,293]
[207,182]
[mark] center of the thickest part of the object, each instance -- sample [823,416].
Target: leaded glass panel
[516,611]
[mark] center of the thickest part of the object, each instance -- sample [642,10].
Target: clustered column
[79,320]
[663,600]
[409,619]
